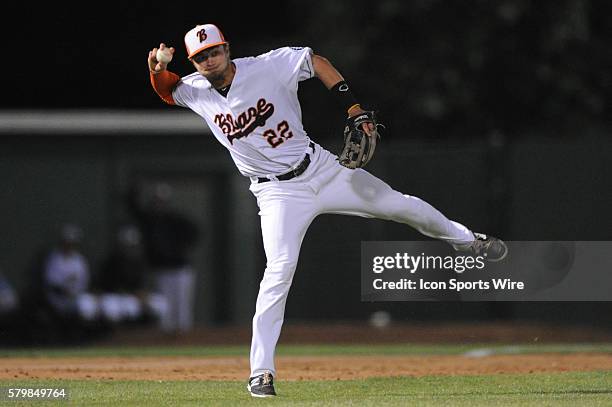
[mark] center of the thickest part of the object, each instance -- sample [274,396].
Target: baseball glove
[359,146]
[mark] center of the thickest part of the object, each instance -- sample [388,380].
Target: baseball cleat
[261,385]
[489,247]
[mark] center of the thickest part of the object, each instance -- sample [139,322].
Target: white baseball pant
[178,287]
[288,207]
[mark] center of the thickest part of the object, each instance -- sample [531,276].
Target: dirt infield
[294,367]
[326,367]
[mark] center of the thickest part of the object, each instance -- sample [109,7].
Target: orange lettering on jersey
[246,122]
[202,35]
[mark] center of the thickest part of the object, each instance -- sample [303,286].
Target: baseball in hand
[163,55]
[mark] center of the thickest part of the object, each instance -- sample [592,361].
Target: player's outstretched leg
[357,192]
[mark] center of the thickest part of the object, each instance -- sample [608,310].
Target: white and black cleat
[489,247]
[261,385]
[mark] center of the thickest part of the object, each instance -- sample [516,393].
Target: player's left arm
[335,83]
[325,71]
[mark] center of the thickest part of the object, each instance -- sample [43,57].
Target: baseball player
[252,108]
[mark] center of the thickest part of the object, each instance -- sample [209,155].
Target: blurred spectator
[169,236]
[9,311]
[125,269]
[124,274]
[66,275]
[57,307]
[8,297]
[60,306]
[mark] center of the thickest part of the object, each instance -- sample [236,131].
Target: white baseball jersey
[260,120]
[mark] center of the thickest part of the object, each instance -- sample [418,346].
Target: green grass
[308,350]
[537,389]
[559,389]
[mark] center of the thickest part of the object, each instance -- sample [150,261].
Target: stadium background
[498,115]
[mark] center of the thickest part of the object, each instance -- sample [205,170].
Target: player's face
[212,62]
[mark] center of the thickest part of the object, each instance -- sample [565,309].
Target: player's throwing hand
[159,58]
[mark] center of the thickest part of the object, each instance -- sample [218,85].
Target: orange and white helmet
[201,37]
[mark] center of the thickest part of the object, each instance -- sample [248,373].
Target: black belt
[299,170]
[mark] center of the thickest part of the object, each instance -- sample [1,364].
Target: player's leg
[167,285]
[285,217]
[186,280]
[357,192]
